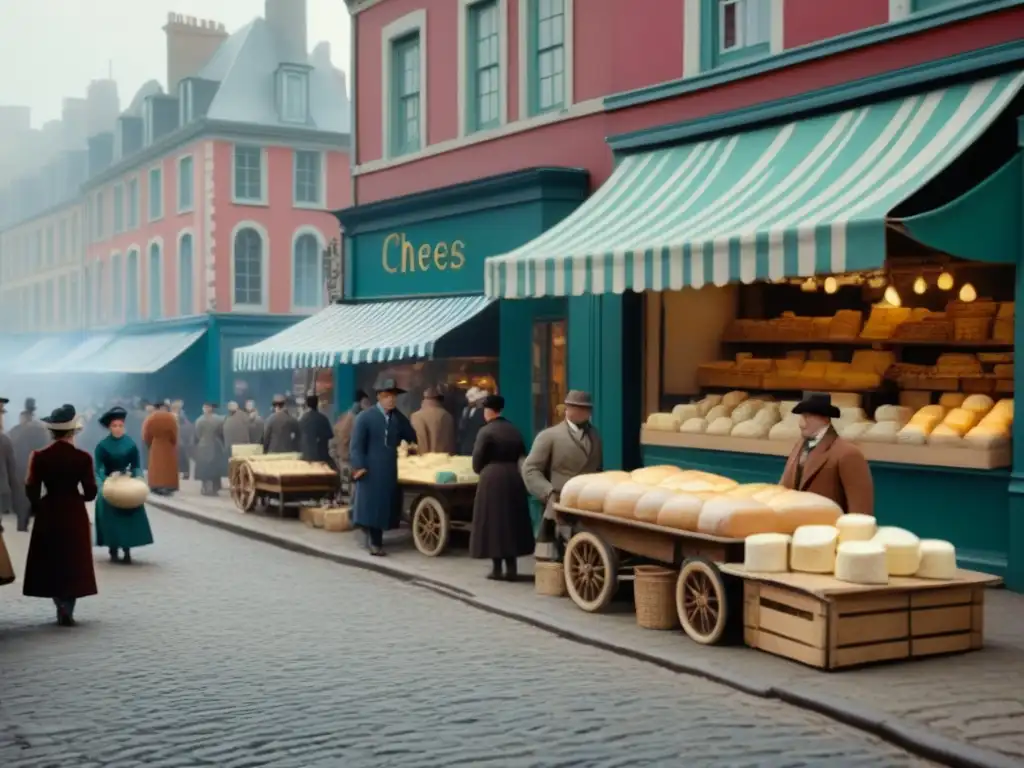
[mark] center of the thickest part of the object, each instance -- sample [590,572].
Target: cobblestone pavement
[215,650]
[976,699]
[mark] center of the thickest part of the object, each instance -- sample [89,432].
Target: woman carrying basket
[121,524]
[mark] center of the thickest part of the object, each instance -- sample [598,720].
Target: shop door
[549,373]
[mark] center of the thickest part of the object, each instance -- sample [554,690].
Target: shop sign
[399,254]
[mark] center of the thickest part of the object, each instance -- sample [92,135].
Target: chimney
[287,22]
[191,43]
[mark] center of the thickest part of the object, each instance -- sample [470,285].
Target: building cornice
[355,7]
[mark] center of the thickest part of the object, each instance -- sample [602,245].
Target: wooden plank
[795,600]
[978,619]
[871,603]
[930,646]
[828,586]
[810,631]
[780,646]
[940,621]
[946,596]
[651,544]
[870,654]
[872,628]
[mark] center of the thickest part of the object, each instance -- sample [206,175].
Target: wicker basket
[654,593]
[549,579]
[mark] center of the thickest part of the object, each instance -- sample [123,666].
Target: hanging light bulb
[967,293]
[892,296]
[920,286]
[809,285]
[831,285]
[945,281]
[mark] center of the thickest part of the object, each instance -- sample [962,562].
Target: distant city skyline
[52,49]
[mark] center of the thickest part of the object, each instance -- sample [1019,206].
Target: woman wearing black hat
[502,530]
[119,530]
[59,564]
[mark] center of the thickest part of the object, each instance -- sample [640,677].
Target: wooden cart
[602,548]
[435,510]
[263,481]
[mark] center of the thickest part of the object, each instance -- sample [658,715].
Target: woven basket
[654,594]
[549,579]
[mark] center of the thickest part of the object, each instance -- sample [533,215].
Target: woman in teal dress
[119,529]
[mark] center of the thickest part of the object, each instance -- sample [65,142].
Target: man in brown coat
[160,434]
[435,427]
[826,464]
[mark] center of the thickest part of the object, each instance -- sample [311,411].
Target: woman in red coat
[59,564]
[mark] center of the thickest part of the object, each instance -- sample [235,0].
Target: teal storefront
[863,184]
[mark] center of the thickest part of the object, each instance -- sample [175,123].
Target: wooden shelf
[951,344]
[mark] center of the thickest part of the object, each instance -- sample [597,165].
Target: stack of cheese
[433,468]
[977,422]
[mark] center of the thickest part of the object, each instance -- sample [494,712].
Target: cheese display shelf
[282,481]
[439,491]
[823,622]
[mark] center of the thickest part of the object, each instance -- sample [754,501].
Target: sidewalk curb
[910,737]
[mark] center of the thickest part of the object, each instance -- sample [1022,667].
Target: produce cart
[602,548]
[435,510]
[263,481]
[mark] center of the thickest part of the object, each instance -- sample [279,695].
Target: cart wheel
[243,490]
[431,526]
[591,571]
[701,601]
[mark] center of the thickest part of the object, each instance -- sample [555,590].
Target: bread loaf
[852,415]
[749,490]
[653,475]
[786,407]
[796,508]
[896,413]
[621,500]
[687,411]
[731,399]
[718,412]
[987,436]
[681,511]
[592,496]
[980,404]
[769,414]
[720,426]
[692,481]
[933,413]
[915,433]
[663,422]
[882,432]
[945,436]
[694,426]
[854,431]
[960,420]
[616,474]
[746,410]
[736,518]
[1004,408]
[751,429]
[951,400]
[649,505]
[767,494]
[786,431]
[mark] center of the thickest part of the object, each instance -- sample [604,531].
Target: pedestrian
[435,427]
[160,435]
[377,506]
[315,433]
[211,461]
[502,530]
[236,428]
[559,453]
[9,475]
[186,439]
[826,464]
[471,421]
[281,432]
[29,435]
[122,530]
[255,423]
[59,563]
[342,443]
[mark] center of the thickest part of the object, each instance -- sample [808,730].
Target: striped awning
[77,356]
[806,198]
[139,353]
[371,332]
[40,354]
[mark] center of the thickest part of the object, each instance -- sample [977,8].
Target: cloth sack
[123,492]
[6,567]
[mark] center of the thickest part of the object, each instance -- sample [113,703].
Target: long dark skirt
[501,514]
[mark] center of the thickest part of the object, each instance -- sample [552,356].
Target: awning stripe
[371,332]
[806,198]
[77,357]
[139,353]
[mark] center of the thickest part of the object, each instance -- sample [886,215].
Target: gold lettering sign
[400,255]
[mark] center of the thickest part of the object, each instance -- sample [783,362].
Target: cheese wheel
[621,500]
[682,511]
[746,410]
[571,490]
[720,426]
[786,407]
[796,509]
[843,400]
[766,553]
[861,562]
[694,426]
[946,437]
[980,404]
[987,436]
[856,527]
[852,415]
[960,420]
[897,413]
[649,505]
[882,432]
[1005,408]
[736,518]
[902,550]
[951,400]
[731,399]
[751,429]
[686,411]
[938,560]
[748,490]
[653,475]
[814,549]
[663,422]
[769,414]
[718,412]
[591,497]
[785,431]
[915,434]
[854,431]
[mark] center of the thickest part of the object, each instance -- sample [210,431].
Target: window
[37,305]
[74,237]
[131,286]
[484,66]
[294,96]
[184,102]
[101,292]
[49,319]
[308,278]
[73,290]
[117,287]
[63,240]
[156,194]
[155,282]
[51,253]
[549,373]
[405,72]
[186,184]
[547,56]
[248,174]
[248,268]
[98,212]
[741,29]
[133,204]
[62,301]
[185,276]
[308,175]
[37,256]
[118,209]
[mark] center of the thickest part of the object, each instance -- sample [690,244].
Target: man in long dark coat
[315,433]
[471,421]
[30,435]
[211,458]
[281,431]
[255,423]
[377,506]
[9,477]
[186,439]
[236,427]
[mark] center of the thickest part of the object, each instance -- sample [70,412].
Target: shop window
[185,275]
[248,268]
[250,182]
[484,66]
[117,286]
[453,376]
[131,286]
[549,373]
[156,194]
[155,282]
[547,53]
[308,177]
[308,278]
[734,31]
[406,85]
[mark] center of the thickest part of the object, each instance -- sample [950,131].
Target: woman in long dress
[119,530]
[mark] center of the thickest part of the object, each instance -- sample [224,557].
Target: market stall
[438,491]
[282,481]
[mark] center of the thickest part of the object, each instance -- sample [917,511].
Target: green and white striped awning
[806,198]
[370,332]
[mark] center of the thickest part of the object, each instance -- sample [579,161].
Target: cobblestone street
[215,650]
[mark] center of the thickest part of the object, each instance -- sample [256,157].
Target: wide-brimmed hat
[3,401]
[117,413]
[388,384]
[430,393]
[63,419]
[579,398]
[817,404]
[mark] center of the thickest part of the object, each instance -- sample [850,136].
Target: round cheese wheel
[731,399]
[946,436]
[861,562]
[571,490]
[980,404]
[621,500]
[786,431]
[751,429]
[794,509]
[938,560]
[898,413]
[814,549]
[694,426]
[682,511]
[951,400]
[649,505]
[686,411]
[720,426]
[653,475]
[718,412]
[662,422]
[592,496]
[902,550]
[736,518]
[746,410]
[766,553]
[882,432]
[855,431]
[856,527]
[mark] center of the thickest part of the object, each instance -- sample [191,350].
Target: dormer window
[293,93]
[185,110]
[147,122]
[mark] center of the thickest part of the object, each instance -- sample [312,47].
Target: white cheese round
[766,553]
[621,500]
[694,426]
[663,422]
[814,549]
[686,411]
[862,562]
[938,560]
[751,429]
[902,550]
[718,412]
[720,426]
[856,527]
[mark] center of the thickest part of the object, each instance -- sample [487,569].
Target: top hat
[117,413]
[388,384]
[63,419]
[818,404]
[579,398]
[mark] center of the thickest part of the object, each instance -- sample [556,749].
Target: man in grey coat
[236,427]
[559,453]
[255,423]
[9,474]
[211,458]
[281,432]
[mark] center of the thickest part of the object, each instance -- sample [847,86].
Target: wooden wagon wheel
[431,526]
[591,571]
[243,490]
[701,601]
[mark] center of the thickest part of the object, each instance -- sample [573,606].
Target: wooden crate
[848,629]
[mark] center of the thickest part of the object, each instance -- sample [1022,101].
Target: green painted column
[215,384]
[1015,545]
[344,387]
